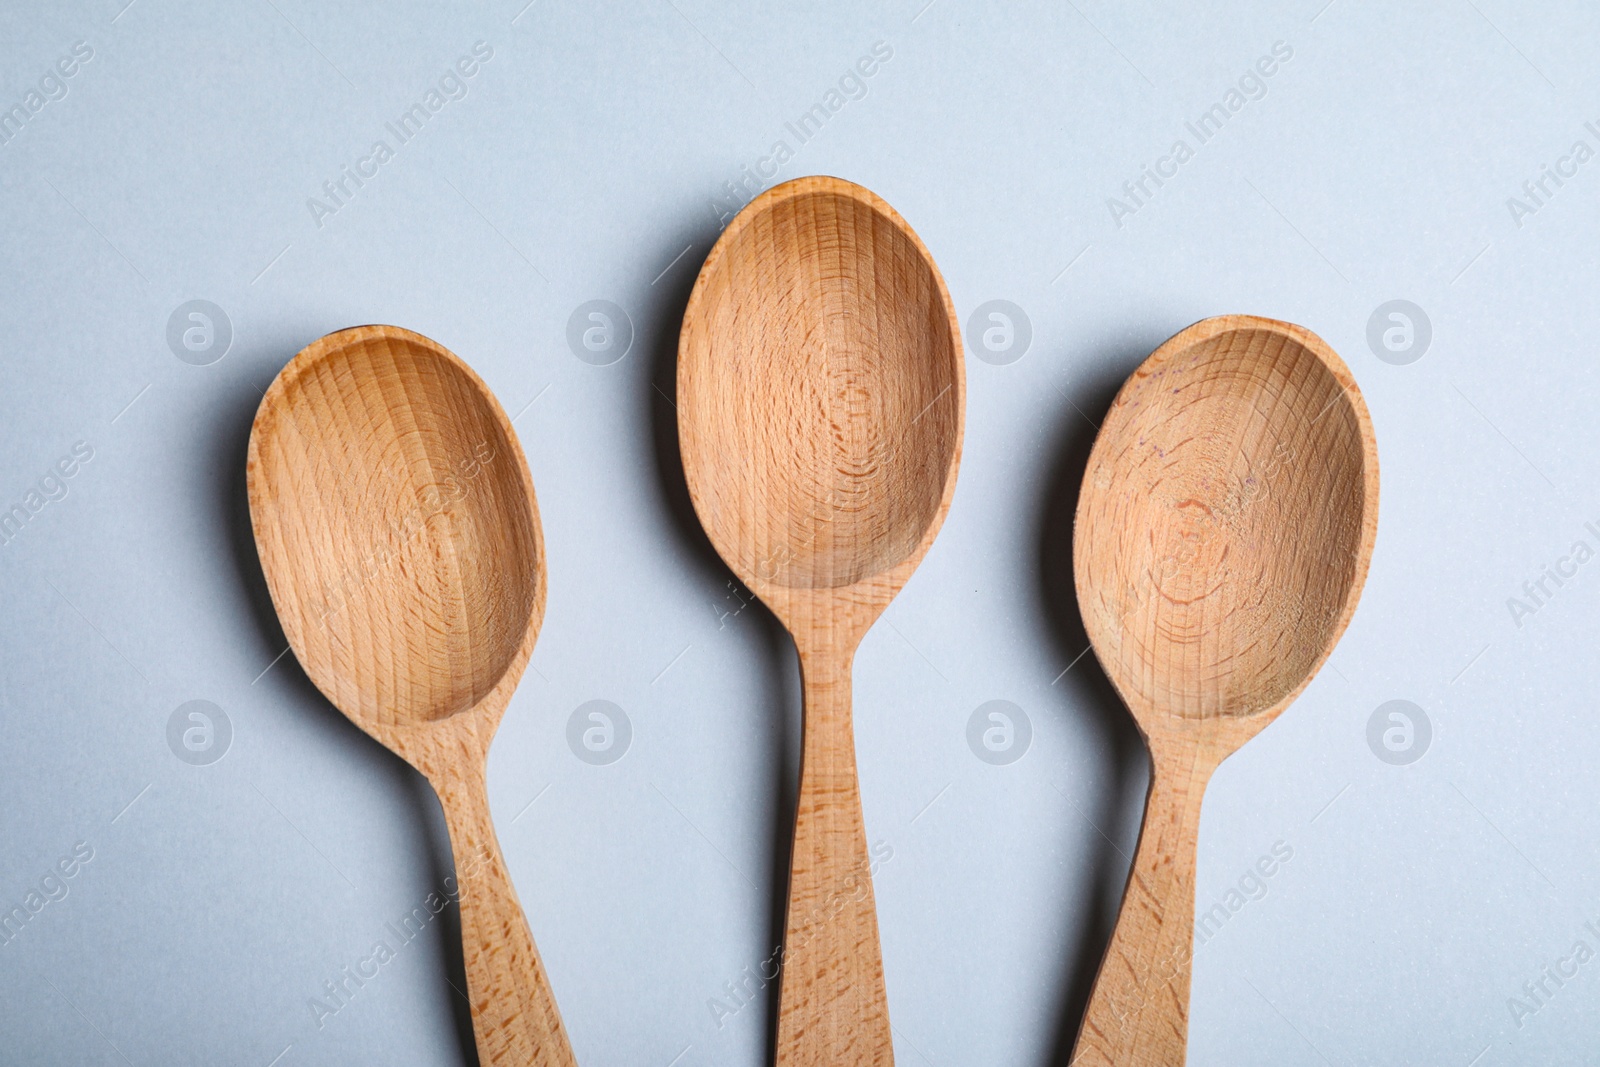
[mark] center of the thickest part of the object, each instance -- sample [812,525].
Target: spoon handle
[514,1015]
[832,1008]
[1138,1014]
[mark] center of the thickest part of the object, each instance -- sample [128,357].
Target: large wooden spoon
[820,405]
[1222,538]
[398,530]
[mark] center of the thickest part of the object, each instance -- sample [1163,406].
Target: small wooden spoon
[1222,538]
[397,527]
[820,405]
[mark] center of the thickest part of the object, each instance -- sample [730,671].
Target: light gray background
[582,164]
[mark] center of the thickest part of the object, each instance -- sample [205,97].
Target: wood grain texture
[821,397]
[1222,538]
[398,530]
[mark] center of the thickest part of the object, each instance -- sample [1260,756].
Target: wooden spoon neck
[828,746]
[1169,840]
[464,796]
[833,1007]
[515,1018]
[459,775]
[458,770]
[1180,773]
[826,664]
[827,640]
[1138,1013]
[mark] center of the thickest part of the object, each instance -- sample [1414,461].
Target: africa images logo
[52,886]
[52,87]
[1540,591]
[341,189]
[199,733]
[999,732]
[50,487]
[851,85]
[599,732]
[1139,191]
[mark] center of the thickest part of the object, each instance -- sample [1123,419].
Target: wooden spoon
[1222,538]
[397,527]
[820,406]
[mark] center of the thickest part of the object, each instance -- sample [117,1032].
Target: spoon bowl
[398,531]
[1224,527]
[819,389]
[820,406]
[1227,517]
[383,447]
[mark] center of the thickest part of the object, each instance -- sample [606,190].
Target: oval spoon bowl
[820,351]
[1227,518]
[410,543]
